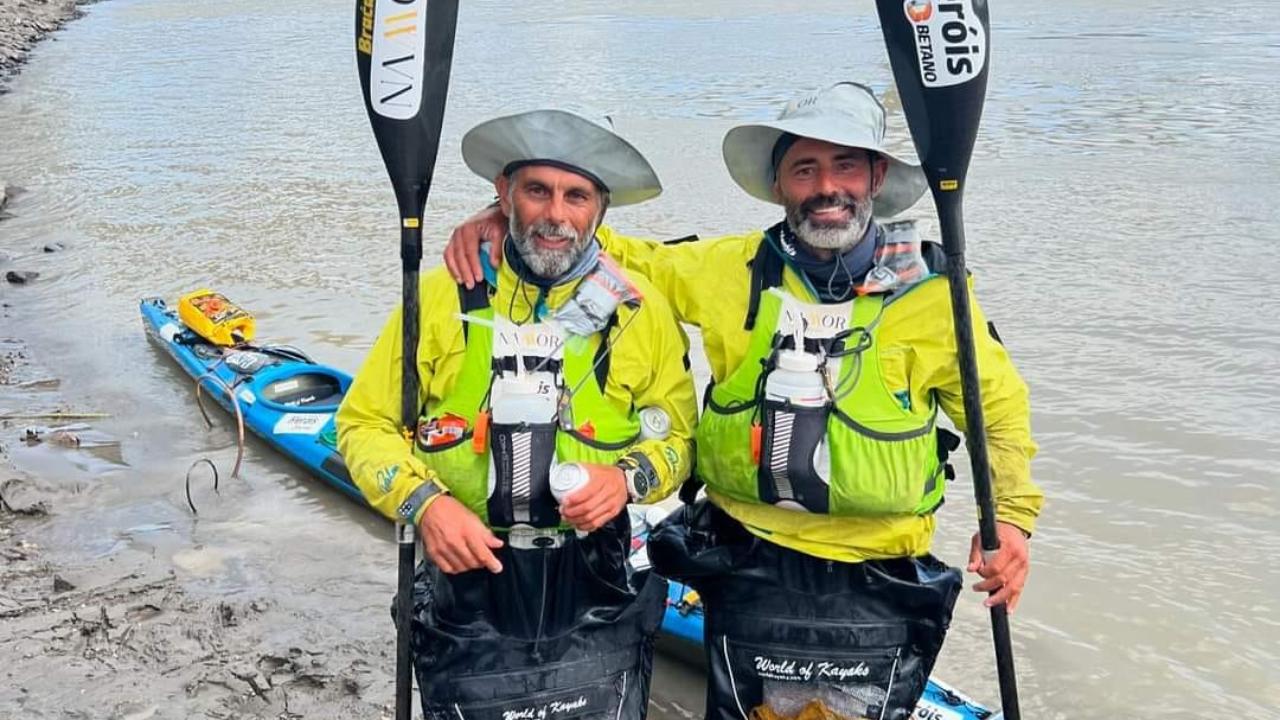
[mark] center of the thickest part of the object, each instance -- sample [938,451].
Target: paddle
[404,49]
[938,50]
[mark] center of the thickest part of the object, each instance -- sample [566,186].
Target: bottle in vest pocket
[796,380]
[524,399]
[655,424]
[566,479]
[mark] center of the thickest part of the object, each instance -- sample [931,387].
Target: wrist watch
[640,476]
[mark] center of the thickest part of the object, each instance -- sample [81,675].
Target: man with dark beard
[530,443]
[831,347]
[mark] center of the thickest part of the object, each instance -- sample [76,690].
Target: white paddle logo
[397,34]
[950,43]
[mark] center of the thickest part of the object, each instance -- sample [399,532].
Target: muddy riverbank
[23,23]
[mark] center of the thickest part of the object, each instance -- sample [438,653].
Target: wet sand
[127,631]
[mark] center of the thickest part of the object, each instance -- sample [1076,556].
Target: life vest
[501,471]
[859,449]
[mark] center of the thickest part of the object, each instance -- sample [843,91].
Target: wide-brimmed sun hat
[566,140]
[844,114]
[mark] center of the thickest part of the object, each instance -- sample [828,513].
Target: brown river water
[1123,219]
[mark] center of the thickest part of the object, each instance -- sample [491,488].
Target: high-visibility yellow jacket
[708,285]
[646,368]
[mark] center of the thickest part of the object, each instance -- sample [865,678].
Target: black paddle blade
[939,53]
[404,50]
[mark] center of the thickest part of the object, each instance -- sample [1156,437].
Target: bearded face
[553,215]
[828,191]
[835,221]
[549,249]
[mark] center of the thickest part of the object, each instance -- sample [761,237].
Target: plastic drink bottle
[655,424]
[796,380]
[523,398]
[566,479]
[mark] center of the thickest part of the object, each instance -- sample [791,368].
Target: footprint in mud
[143,613]
[201,561]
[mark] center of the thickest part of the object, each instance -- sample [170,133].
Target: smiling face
[553,215]
[827,190]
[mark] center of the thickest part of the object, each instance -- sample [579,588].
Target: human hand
[597,502]
[456,540]
[462,254]
[1005,574]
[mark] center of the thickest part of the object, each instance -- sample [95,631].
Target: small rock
[21,277]
[54,247]
[227,615]
[60,585]
[21,497]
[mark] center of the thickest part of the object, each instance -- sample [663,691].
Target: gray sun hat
[845,114]
[562,139]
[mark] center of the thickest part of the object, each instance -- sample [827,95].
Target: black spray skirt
[561,633]
[786,631]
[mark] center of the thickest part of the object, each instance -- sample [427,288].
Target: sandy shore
[23,23]
[124,633]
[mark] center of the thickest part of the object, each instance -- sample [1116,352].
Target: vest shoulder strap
[477,298]
[601,359]
[766,272]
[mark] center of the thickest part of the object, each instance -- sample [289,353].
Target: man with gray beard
[831,347]
[529,442]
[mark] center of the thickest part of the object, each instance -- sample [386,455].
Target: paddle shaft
[950,215]
[938,51]
[404,54]
[406,537]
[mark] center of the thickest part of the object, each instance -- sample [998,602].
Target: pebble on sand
[21,277]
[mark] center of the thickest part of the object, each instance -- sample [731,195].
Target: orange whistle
[757,439]
[480,438]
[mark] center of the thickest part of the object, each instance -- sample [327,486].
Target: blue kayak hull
[290,403]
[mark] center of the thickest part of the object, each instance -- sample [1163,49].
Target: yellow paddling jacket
[647,367]
[708,283]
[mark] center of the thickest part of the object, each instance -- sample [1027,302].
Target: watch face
[643,481]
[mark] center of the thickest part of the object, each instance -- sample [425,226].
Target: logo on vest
[951,46]
[815,321]
[532,340]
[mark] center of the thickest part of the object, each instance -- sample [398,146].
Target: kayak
[289,401]
[281,395]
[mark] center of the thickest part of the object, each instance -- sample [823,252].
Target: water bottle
[523,398]
[655,424]
[796,380]
[566,479]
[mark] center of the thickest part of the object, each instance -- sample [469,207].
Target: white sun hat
[844,114]
[566,140]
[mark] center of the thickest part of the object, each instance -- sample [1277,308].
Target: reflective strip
[781,454]
[521,475]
